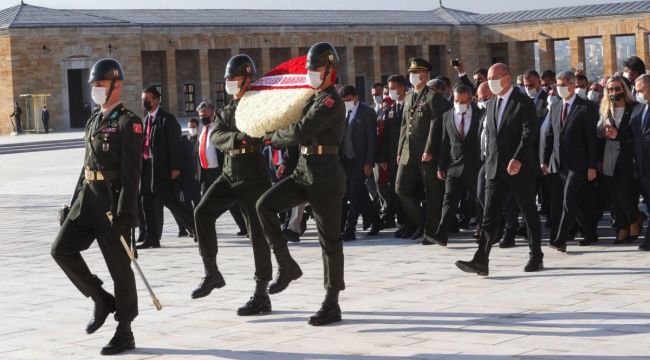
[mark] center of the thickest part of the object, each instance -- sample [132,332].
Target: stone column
[401,55]
[609,54]
[514,59]
[204,74]
[546,53]
[349,55]
[577,51]
[172,86]
[642,46]
[265,63]
[376,62]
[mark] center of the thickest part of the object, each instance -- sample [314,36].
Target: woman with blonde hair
[615,114]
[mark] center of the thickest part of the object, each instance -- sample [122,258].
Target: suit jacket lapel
[475,120]
[507,109]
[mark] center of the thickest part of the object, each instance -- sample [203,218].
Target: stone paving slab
[403,301]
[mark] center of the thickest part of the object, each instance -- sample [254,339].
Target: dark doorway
[76,98]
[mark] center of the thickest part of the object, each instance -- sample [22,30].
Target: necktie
[646,118]
[347,118]
[461,131]
[497,110]
[203,144]
[399,110]
[146,154]
[564,114]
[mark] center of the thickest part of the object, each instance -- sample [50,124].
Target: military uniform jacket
[247,168]
[322,123]
[114,146]
[421,129]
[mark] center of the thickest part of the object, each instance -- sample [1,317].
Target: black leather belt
[319,150]
[244,150]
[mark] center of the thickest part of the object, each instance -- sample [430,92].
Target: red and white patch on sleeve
[329,102]
[137,128]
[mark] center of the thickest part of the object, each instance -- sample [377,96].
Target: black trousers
[410,179]
[624,200]
[208,177]
[496,191]
[573,185]
[74,237]
[221,196]
[455,187]
[326,209]
[357,194]
[393,209]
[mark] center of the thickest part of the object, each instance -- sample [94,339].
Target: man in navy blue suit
[359,149]
[641,138]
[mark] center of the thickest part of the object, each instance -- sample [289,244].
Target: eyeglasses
[614,89]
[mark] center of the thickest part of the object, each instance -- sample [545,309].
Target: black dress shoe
[183,233]
[508,241]
[588,241]
[418,233]
[473,266]
[534,264]
[435,239]
[291,236]
[374,228]
[408,232]
[148,245]
[389,224]
[522,231]
[104,306]
[209,283]
[285,276]
[122,341]
[400,232]
[242,233]
[141,238]
[348,236]
[327,314]
[645,246]
[558,247]
[258,304]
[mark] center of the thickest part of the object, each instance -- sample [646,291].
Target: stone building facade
[183,52]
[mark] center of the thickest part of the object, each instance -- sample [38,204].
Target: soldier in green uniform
[243,180]
[104,206]
[418,151]
[318,179]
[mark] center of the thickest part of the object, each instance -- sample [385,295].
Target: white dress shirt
[468,120]
[210,150]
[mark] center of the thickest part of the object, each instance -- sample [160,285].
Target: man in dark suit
[388,152]
[640,127]
[458,163]
[161,169]
[419,150]
[511,164]
[483,96]
[571,139]
[209,160]
[45,119]
[190,186]
[359,147]
[479,76]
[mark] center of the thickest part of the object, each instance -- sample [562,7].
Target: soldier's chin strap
[110,90]
[327,73]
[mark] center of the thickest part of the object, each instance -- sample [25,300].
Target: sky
[478,6]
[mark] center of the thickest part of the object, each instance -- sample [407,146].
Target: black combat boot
[122,340]
[212,279]
[329,311]
[288,271]
[259,303]
[104,306]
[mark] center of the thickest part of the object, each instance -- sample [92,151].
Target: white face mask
[415,79]
[532,93]
[313,79]
[626,75]
[582,93]
[349,105]
[193,131]
[481,105]
[641,99]
[495,86]
[563,91]
[460,108]
[99,95]
[393,94]
[593,96]
[378,99]
[232,87]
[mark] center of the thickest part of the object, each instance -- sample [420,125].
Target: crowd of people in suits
[418,159]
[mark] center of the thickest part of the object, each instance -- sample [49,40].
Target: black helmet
[106,69]
[240,65]
[321,54]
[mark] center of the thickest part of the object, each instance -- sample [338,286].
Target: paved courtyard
[403,300]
